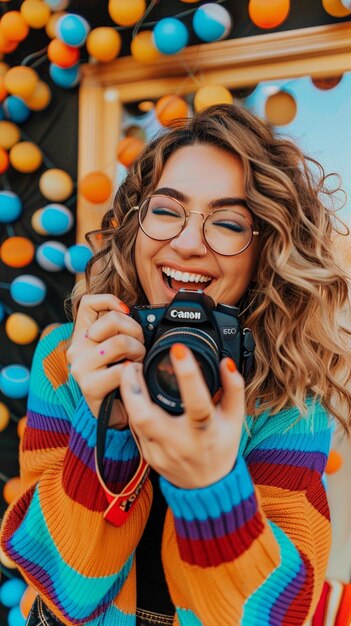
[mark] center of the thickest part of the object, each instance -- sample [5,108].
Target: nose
[191,242]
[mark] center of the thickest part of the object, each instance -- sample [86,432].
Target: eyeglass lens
[225,230]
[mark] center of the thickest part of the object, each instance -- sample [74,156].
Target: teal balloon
[15,617]
[170,35]
[64,77]
[77,257]
[10,207]
[12,591]
[14,383]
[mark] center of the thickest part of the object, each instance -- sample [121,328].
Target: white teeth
[185,277]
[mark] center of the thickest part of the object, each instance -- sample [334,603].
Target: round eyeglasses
[225,231]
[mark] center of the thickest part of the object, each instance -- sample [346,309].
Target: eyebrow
[214,204]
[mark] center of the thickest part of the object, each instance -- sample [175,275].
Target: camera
[211,332]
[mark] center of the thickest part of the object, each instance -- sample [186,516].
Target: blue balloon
[64,77]
[15,617]
[10,207]
[16,109]
[170,35]
[28,290]
[14,383]
[51,256]
[12,591]
[77,257]
[56,219]
[72,29]
[211,22]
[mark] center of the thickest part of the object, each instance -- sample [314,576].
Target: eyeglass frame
[187,215]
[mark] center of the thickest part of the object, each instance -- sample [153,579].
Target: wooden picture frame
[322,51]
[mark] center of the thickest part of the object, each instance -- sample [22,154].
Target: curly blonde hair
[295,305]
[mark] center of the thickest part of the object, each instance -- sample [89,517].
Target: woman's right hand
[104,336]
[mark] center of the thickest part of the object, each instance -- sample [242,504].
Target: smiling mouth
[175,279]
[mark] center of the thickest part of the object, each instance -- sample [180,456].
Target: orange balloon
[35,12]
[21,328]
[12,489]
[128,149]
[168,109]
[50,27]
[56,185]
[143,49]
[20,80]
[324,84]
[3,68]
[268,13]
[61,54]
[26,157]
[211,94]
[40,98]
[4,416]
[96,187]
[9,134]
[27,601]
[3,91]
[334,462]
[335,8]
[17,251]
[35,221]
[13,26]
[104,43]
[4,161]
[7,45]
[280,108]
[21,425]
[126,13]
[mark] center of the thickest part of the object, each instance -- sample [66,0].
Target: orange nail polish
[125,308]
[179,351]
[231,367]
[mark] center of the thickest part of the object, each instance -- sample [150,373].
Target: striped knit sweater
[251,549]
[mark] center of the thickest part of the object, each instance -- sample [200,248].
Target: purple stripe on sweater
[47,423]
[211,528]
[286,597]
[299,458]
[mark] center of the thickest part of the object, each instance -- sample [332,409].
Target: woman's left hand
[200,446]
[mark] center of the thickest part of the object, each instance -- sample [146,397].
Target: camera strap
[119,504]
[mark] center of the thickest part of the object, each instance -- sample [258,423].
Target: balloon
[346,4]
[334,462]
[128,149]
[13,26]
[26,157]
[7,45]
[14,383]
[143,49]
[126,13]
[55,219]
[3,68]
[9,134]
[72,29]
[21,328]
[10,207]
[268,13]
[28,290]
[56,185]
[212,22]
[50,27]
[211,94]
[20,80]
[21,426]
[16,109]
[168,109]
[280,108]
[27,600]
[12,590]
[36,222]
[35,13]
[170,35]
[4,161]
[96,187]
[64,77]
[61,54]
[326,83]
[57,5]
[51,256]
[104,44]
[15,617]
[40,98]
[336,8]
[4,416]
[17,251]
[77,257]
[3,92]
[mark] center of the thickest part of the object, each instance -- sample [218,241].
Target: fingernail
[126,362]
[125,308]
[179,351]
[231,367]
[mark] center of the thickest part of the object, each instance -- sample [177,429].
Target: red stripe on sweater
[34,439]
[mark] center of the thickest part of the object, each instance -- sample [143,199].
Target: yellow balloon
[20,80]
[9,134]
[21,328]
[143,48]
[40,98]
[26,157]
[50,27]
[56,185]
[4,416]
[104,43]
[35,12]
[36,225]
[126,13]
[212,94]
[335,8]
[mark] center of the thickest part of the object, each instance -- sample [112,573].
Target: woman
[234,210]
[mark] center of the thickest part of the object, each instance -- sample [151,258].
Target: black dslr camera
[211,332]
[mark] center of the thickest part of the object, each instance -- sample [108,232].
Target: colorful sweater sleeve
[55,531]
[252,549]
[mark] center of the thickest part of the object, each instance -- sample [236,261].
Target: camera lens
[158,369]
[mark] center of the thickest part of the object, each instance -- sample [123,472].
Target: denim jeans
[40,615]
